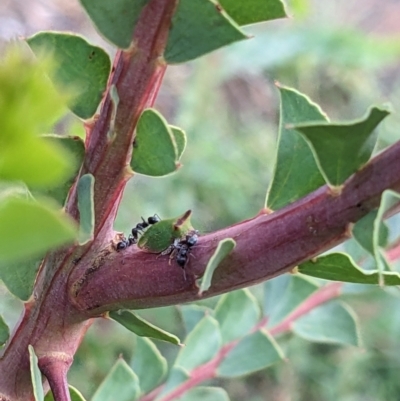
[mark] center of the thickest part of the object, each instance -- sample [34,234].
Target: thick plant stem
[50,323]
[268,245]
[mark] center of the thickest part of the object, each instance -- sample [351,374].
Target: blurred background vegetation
[346,56]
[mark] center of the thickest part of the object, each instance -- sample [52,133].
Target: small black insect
[181,249]
[140,227]
[122,244]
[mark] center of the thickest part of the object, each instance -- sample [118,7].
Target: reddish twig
[209,370]
[319,297]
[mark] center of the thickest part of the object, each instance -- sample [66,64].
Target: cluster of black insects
[180,247]
[133,237]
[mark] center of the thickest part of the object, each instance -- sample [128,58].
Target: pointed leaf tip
[295,172]
[143,328]
[340,267]
[253,11]
[343,148]
[199,27]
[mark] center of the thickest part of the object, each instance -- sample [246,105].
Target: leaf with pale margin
[340,267]
[254,352]
[35,225]
[76,149]
[201,344]
[198,27]
[146,354]
[36,376]
[19,277]
[4,331]
[363,232]
[142,328]
[343,148]
[333,322]
[295,173]
[85,190]
[121,383]
[192,314]
[224,248]
[79,65]
[73,393]
[252,11]
[389,200]
[237,313]
[296,291]
[116,19]
[205,394]
[180,139]
[155,151]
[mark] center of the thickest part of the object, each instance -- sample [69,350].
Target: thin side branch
[55,367]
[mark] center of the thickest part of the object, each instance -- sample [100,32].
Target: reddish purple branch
[268,245]
[77,283]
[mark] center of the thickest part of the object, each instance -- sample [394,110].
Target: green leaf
[333,322]
[120,384]
[180,140]
[340,267]
[146,355]
[205,394]
[223,249]
[73,393]
[35,161]
[254,352]
[363,232]
[201,344]
[4,331]
[389,200]
[28,229]
[237,313]
[297,290]
[142,328]
[155,151]
[273,290]
[192,314]
[296,172]
[36,108]
[177,376]
[161,235]
[19,277]
[86,208]
[76,151]
[36,376]
[252,11]
[115,20]
[199,27]
[343,148]
[79,65]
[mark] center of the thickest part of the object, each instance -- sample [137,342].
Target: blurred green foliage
[229,98]
[231,95]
